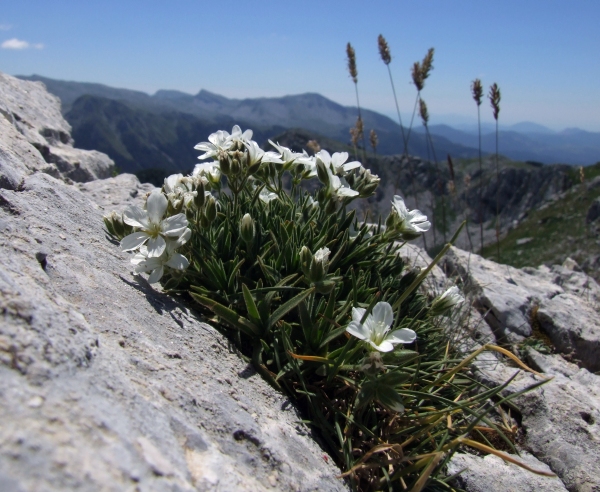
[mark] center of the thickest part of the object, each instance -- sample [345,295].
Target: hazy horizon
[538,52]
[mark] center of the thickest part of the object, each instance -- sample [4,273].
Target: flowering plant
[319,302]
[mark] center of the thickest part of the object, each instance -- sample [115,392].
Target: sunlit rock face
[106,383]
[35,137]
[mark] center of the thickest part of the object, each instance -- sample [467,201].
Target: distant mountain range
[520,143]
[268,116]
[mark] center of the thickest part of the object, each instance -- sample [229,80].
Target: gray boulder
[565,302]
[107,384]
[490,473]
[559,419]
[26,108]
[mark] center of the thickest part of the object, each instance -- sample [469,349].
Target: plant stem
[360,116]
[430,142]
[480,180]
[397,109]
[497,198]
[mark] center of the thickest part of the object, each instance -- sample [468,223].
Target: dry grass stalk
[384,50]
[494,97]
[477,92]
[351,54]
[386,56]
[424,114]
[352,63]
[374,141]
[313,146]
[581,175]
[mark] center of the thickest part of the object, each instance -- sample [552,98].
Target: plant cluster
[320,303]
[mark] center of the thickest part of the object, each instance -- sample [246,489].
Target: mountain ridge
[330,119]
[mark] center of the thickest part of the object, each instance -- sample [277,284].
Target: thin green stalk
[398,110]
[480,180]
[430,140]
[497,198]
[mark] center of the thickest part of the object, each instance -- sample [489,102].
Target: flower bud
[236,167]
[224,163]
[200,198]
[247,229]
[211,209]
[322,172]
[253,168]
[446,301]
[305,259]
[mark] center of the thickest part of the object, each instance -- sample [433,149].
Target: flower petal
[156,246]
[156,275]
[358,330]
[174,225]
[156,206]
[133,241]
[385,346]
[405,335]
[357,314]
[135,216]
[177,261]
[383,312]
[351,165]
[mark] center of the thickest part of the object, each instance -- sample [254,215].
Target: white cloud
[5,27]
[17,44]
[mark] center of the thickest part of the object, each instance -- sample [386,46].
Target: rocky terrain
[106,383]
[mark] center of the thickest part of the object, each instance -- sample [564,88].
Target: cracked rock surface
[107,384]
[31,115]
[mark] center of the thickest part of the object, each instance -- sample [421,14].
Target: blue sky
[544,54]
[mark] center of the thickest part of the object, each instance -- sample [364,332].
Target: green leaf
[228,315]
[250,304]
[286,307]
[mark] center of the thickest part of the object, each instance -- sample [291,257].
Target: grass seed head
[313,146]
[373,139]
[417,76]
[427,64]
[494,97]
[352,62]
[477,91]
[423,112]
[384,50]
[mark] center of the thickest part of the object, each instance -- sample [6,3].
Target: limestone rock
[566,301]
[490,473]
[107,384]
[34,113]
[562,422]
[505,294]
[560,419]
[573,327]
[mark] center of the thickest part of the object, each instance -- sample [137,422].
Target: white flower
[337,161]
[238,136]
[452,297]
[339,186]
[322,255]
[256,154]
[218,141]
[153,228]
[310,162]
[179,188]
[212,171]
[376,328]
[266,196]
[287,155]
[156,265]
[412,222]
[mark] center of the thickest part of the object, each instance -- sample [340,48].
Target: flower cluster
[156,236]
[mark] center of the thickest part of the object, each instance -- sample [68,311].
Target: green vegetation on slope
[555,231]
